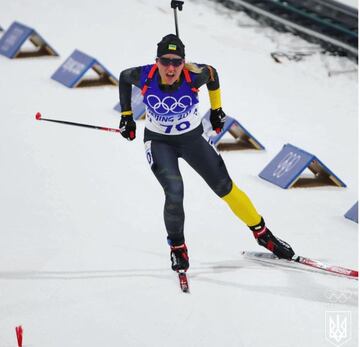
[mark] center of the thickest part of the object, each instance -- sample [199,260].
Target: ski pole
[176,4]
[39,117]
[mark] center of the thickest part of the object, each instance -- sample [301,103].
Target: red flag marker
[19,335]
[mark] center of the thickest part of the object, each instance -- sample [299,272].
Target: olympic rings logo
[169,104]
[338,296]
[286,164]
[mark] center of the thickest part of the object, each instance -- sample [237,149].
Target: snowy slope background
[83,254]
[352,3]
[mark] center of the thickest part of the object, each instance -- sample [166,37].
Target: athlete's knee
[223,187]
[174,191]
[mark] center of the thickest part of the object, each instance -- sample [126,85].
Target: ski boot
[266,239]
[179,258]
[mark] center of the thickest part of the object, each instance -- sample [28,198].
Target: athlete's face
[170,67]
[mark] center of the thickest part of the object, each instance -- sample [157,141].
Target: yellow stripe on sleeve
[215,99]
[127,113]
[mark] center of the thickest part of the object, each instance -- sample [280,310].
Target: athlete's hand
[217,119]
[128,127]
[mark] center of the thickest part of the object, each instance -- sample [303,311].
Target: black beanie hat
[171,44]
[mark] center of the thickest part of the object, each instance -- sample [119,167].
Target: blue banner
[73,69]
[13,38]
[286,166]
[242,137]
[285,169]
[353,213]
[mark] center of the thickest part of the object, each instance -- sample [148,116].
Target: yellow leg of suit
[242,206]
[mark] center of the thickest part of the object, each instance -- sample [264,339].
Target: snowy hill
[83,253]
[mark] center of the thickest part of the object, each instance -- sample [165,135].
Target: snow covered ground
[83,254]
[352,3]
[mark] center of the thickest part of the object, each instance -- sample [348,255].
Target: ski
[330,268]
[299,261]
[183,281]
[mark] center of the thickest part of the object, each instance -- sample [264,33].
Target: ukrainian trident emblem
[338,327]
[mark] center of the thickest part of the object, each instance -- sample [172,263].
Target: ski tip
[38,116]
[185,288]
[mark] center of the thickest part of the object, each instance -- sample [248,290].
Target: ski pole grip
[177,4]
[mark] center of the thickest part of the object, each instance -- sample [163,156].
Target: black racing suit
[165,151]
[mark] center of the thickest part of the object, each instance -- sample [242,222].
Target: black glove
[217,119]
[128,127]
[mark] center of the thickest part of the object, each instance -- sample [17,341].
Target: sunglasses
[174,62]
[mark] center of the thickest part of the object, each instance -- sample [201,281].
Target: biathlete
[174,130]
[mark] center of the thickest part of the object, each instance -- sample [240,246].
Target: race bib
[174,123]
